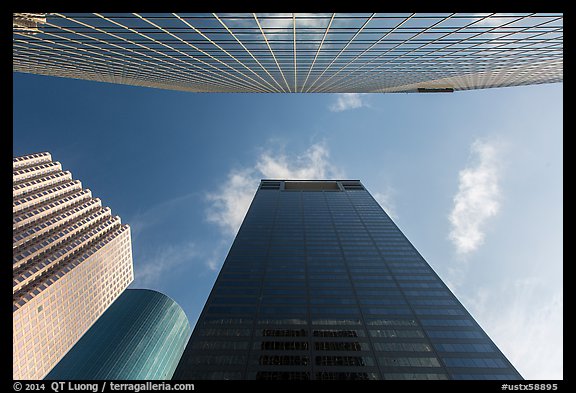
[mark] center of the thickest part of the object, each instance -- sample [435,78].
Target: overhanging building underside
[295,53]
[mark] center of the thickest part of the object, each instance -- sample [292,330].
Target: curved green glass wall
[142,335]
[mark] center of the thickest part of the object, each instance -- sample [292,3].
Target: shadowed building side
[321,284]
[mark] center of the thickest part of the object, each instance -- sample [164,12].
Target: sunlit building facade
[71,260]
[320,284]
[294,53]
[141,336]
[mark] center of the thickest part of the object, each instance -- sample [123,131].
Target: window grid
[296,53]
[329,299]
[64,243]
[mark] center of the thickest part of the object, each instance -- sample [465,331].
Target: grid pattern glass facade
[141,336]
[71,260]
[295,53]
[321,284]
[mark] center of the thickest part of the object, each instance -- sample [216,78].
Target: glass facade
[140,337]
[294,52]
[320,284]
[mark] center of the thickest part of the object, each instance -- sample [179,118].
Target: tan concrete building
[71,260]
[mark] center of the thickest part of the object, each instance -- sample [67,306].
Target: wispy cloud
[347,101]
[385,199]
[217,254]
[152,267]
[477,199]
[156,214]
[313,164]
[229,204]
[526,325]
[152,261]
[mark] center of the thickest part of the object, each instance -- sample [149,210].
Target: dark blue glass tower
[321,284]
[140,336]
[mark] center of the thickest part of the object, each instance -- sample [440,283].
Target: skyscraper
[320,284]
[71,260]
[294,52]
[141,336]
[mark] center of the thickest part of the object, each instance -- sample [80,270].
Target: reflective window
[446,322]
[402,347]
[391,322]
[409,362]
[231,332]
[383,301]
[484,376]
[378,292]
[280,284]
[335,321]
[328,276]
[345,376]
[464,347]
[234,300]
[474,362]
[343,361]
[427,293]
[316,292]
[291,320]
[284,332]
[214,375]
[282,310]
[393,333]
[283,276]
[237,291]
[329,283]
[438,311]
[212,320]
[375,284]
[340,346]
[333,300]
[338,333]
[283,360]
[284,291]
[454,334]
[217,360]
[223,283]
[415,376]
[284,345]
[227,310]
[386,311]
[282,375]
[334,310]
[284,300]
[220,345]
[433,302]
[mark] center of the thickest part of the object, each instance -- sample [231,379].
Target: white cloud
[346,101]
[524,319]
[216,257]
[229,204]
[284,20]
[149,270]
[385,200]
[156,214]
[477,199]
[313,164]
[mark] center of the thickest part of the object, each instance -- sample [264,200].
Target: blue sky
[474,179]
